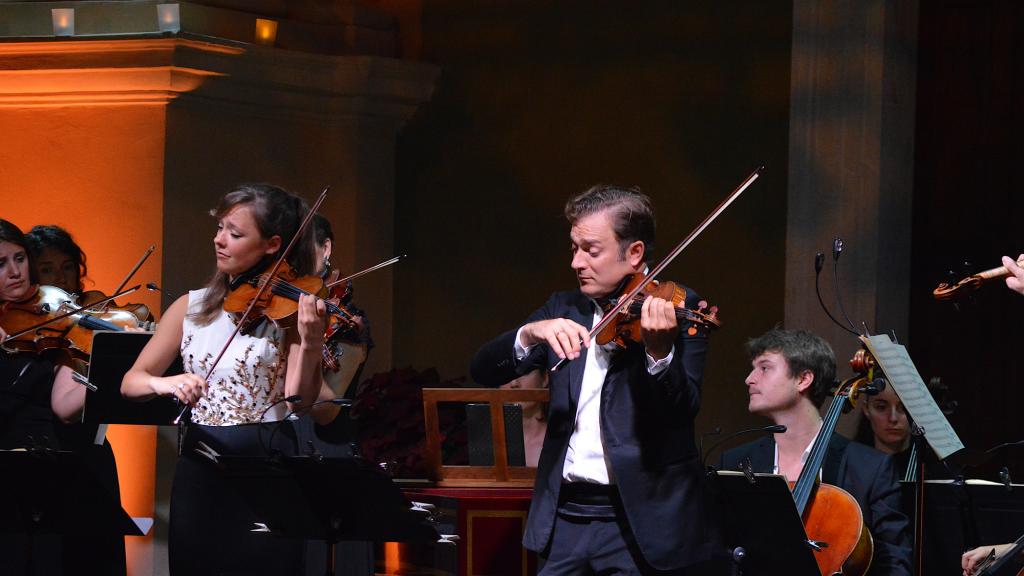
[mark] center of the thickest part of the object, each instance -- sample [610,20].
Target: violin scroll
[946,292]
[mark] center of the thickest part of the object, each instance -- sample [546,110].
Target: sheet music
[906,381]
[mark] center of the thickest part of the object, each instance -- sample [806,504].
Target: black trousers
[211,521]
[592,537]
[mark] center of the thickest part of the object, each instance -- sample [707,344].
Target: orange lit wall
[98,172]
[129,142]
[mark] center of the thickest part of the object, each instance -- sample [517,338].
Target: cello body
[834,517]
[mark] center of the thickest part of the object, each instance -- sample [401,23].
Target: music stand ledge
[500,475]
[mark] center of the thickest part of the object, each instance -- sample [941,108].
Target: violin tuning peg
[702,304]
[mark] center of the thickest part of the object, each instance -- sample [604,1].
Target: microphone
[837,248]
[336,401]
[774,429]
[819,263]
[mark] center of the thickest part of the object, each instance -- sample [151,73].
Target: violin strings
[289,290]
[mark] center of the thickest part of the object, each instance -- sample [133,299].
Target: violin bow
[623,301]
[367,271]
[69,313]
[261,291]
[131,273]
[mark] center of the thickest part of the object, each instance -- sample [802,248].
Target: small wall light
[63,21]
[266,31]
[168,17]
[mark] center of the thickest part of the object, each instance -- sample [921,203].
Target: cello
[832,517]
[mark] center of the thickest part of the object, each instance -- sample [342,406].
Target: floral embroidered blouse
[248,379]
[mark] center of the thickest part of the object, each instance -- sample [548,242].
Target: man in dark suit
[792,373]
[618,486]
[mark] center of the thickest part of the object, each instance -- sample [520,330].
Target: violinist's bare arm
[564,336]
[305,345]
[145,380]
[67,398]
[1015,281]
[324,414]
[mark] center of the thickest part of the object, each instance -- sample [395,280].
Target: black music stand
[305,501]
[113,354]
[48,492]
[962,515]
[761,526]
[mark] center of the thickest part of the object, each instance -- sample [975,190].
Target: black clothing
[647,429]
[868,476]
[26,419]
[210,516]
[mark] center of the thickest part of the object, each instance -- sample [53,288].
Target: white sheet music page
[906,381]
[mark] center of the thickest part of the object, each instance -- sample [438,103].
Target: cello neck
[804,486]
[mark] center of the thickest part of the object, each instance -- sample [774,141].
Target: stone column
[851,164]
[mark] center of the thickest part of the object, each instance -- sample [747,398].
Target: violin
[946,291]
[142,312]
[629,300]
[280,303]
[257,301]
[48,318]
[626,327]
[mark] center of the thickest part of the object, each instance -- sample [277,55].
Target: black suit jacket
[647,427]
[868,476]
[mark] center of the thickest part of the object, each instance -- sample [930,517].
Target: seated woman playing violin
[56,259]
[267,372]
[31,382]
[35,386]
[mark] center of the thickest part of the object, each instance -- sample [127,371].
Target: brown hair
[803,351]
[42,237]
[630,211]
[277,213]
[11,233]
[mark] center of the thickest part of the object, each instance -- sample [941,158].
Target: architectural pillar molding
[157,70]
[851,164]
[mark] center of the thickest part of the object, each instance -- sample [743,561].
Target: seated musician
[885,427]
[792,372]
[36,387]
[56,259]
[351,345]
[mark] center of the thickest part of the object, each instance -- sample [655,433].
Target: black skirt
[212,520]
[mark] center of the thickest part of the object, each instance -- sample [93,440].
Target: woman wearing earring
[211,523]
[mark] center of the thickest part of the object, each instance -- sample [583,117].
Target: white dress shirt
[585,458]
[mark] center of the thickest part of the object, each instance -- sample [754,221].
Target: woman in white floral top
[211,523]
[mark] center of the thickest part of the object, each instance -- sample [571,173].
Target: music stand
[52,492]
[298,497]
[963,515]
[760,523]
[113,354]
